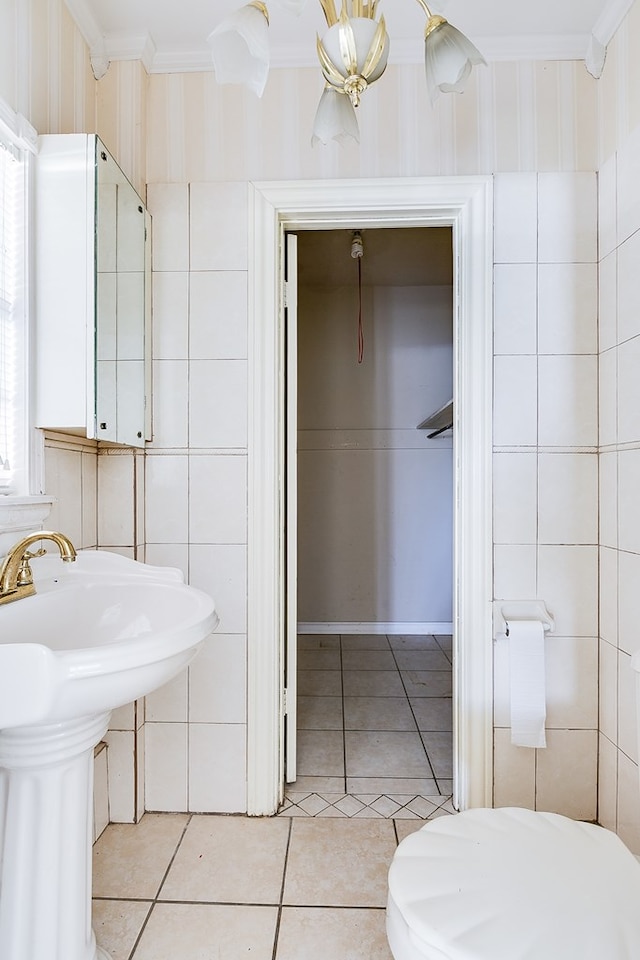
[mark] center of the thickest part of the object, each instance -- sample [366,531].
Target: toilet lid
[511,884]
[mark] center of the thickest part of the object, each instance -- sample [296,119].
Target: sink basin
[99,633]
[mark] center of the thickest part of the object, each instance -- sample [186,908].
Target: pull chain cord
[360,330]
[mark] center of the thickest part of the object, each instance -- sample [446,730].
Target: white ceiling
[171,35]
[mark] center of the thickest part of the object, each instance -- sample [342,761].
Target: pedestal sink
[99,633]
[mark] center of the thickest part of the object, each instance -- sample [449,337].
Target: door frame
[465,204]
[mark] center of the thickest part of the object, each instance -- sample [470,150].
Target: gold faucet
[16,578]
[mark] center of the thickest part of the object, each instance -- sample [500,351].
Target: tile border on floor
[371,806]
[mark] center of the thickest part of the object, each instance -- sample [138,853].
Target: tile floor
[374,726]
[208,887]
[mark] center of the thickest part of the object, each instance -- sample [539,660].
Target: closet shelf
[439,421]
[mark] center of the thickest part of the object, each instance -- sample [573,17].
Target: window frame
[19,134]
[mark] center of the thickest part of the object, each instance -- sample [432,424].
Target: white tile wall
[218,315]
[546,474]
[608,298]
[218,226]
[608,513]
[568,400]
[515,398]
[516,218]
[607,222]
[628,186]
[568,581]
[515,308]
[567,308]
[607,783]
[170,315]
[193,743]
[628,574]
[217,767]
[566,773]
[218,403]
[170,403]
[219,695]
[121,757]
[608,688]
[567,495]
[628,401]
[218,499]
[608,389]
[628,291]
[167,501]
[627,500]
[166,766]
[168,204]
[514,773]
[515,491]
[221,570]
[567,218]
[116,492]
[619,279]
[609,595]
[514,571]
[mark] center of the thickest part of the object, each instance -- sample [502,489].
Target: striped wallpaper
[513,117]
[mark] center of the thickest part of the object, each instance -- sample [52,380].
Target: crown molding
[403,51]
[92,34]
[610,19]
[602,33]
[194,61]
[132,48]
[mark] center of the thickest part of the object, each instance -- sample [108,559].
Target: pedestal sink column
[46,826]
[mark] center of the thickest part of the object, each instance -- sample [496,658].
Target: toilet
[513,884]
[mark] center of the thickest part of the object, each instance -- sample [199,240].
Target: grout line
[276,933]
[161,884]
[433,774]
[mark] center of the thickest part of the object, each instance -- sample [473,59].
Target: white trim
[132,48]
[92,33]
[21,513]
[603,32]
[568,46]
[465,203]
[17,128]
[284,57]
[392,628]
[610,19]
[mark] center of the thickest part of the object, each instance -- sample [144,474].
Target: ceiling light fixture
[353,54]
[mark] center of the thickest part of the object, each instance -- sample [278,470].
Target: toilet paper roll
[527,683]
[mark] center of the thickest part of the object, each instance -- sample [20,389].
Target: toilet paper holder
[505,611]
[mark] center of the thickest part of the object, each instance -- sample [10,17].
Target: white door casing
[291,505]
[465,204]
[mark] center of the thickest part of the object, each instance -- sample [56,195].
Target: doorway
[465,205]
[373,514]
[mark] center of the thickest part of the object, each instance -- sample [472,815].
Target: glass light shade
[240,48]
[449,57]
[364,33]
[335,118]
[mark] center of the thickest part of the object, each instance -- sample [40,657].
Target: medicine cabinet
[93,304]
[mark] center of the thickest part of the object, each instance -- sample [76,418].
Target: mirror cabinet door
[121,290]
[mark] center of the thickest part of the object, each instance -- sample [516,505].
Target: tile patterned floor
[374,727]
[207,887]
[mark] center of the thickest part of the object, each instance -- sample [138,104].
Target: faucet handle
[30,554]
[25,574]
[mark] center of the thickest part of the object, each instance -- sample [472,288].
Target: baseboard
[441,629]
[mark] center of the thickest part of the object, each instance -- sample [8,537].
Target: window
[13,303]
